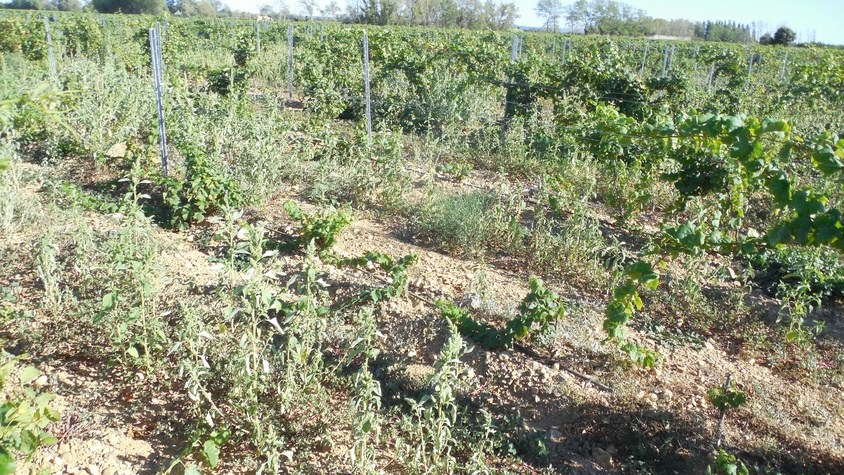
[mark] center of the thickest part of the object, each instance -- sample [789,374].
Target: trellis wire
[155,53]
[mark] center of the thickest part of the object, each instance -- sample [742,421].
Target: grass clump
[465,224]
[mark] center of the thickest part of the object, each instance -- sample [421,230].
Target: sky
[819,20]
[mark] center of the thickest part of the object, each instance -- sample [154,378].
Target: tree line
[471,14]
[610,17]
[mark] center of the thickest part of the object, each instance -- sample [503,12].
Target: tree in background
[472,14]
[766,39]
[501,16]
[331,10]
[148,7]
[731,32]
[575,13]
[551,11]
[784,36]
[373,12]
[280,11]
[27,5]
[308,8]
[66,5]
[192,7]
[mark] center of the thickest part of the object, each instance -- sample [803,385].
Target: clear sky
[822,20]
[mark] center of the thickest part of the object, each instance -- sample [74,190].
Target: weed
[24,415]
[467,223]
[726,464]
[321,229]
[435,414]
[540,309]
[49,272]
[365,405]
[205,191]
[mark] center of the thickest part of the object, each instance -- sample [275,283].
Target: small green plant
[458,171]
[726,464]
[24,416]
[204,192]
[798,302]
[365,405]
[435,414]
[395,269]
[725,398]
[322,228]
[540,309]
[49,272]
[464,223]
[624,302]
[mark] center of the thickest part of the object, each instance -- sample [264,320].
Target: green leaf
[133,352]
[4,163]
[826,161]
[212,452]
[643,272]
[776,126]
[779,235]
[192,470]
[7,462]
[29,374]
[44,399]
[29,441]
[780,187]
[109,301]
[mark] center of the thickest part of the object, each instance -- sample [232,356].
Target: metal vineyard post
[644,59]
[749,69]
[565,43]
[290,60]
[155,53]
[366,89]
[784,63]
[711,73]
[50,47]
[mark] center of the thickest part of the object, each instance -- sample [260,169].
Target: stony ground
[596,411]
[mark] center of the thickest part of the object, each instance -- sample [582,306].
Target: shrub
[204,191]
